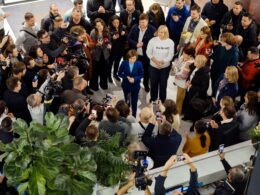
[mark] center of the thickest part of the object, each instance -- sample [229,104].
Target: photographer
[165,144]
[35,105]
[70,95]
[94,118]
[49,46]
[159,188]
[235,177]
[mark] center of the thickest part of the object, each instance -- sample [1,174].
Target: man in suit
[138,39]
[129,16]
[225,133]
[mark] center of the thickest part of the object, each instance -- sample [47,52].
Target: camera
[53,89]
[107,100]
[141,181]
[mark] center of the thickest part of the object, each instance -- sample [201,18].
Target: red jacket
[248,73]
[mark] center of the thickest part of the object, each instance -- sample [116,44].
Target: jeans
[158,81]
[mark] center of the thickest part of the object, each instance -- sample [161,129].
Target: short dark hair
[131,53]
[18,67]
[143,16]
[33,49]
[239,3]
[100,111]
[189,50]
[112,114]
[247,15]
[229,111]
[122,108]
[195,8]
[40,33]
[28,16]
[11,83]
[7,124]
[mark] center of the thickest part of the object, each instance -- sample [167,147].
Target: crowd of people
[212,52]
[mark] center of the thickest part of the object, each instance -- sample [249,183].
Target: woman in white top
[160,51]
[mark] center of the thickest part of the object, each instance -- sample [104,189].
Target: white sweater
[197,29]
[162,50]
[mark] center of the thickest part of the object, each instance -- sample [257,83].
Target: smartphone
[158,115]
[180,158]
[221,148]
[35,78]
[175,189]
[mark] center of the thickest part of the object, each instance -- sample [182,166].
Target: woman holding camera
[131,71]
[100,54]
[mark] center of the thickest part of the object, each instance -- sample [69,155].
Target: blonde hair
[164,29]
[200,61]
[232,74]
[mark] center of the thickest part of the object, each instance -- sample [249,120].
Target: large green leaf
[79,188]
[71,149]
[20,127]
[62,181]
[37,183]
[52,122]
[53,157]
[11,157]
[22,187]
[23,161]
[11,170]
[91,176]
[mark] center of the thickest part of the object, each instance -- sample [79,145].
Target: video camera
[141,181]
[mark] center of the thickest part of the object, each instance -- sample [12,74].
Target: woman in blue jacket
[131,71]
[226,85]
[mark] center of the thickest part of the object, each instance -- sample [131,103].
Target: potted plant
[111,168]
[255,136]
[44,159]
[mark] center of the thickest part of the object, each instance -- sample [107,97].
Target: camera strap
[29,33]
[142,126]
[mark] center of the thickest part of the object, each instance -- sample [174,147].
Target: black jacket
[226,133]
[53,49]
[231,18]
[16,104]
[134,35]
[161,147]
[156,22]
[138,5]
[83,22]
[199,82]
[249,37]
[124,17]
[214,12]
[92,10]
